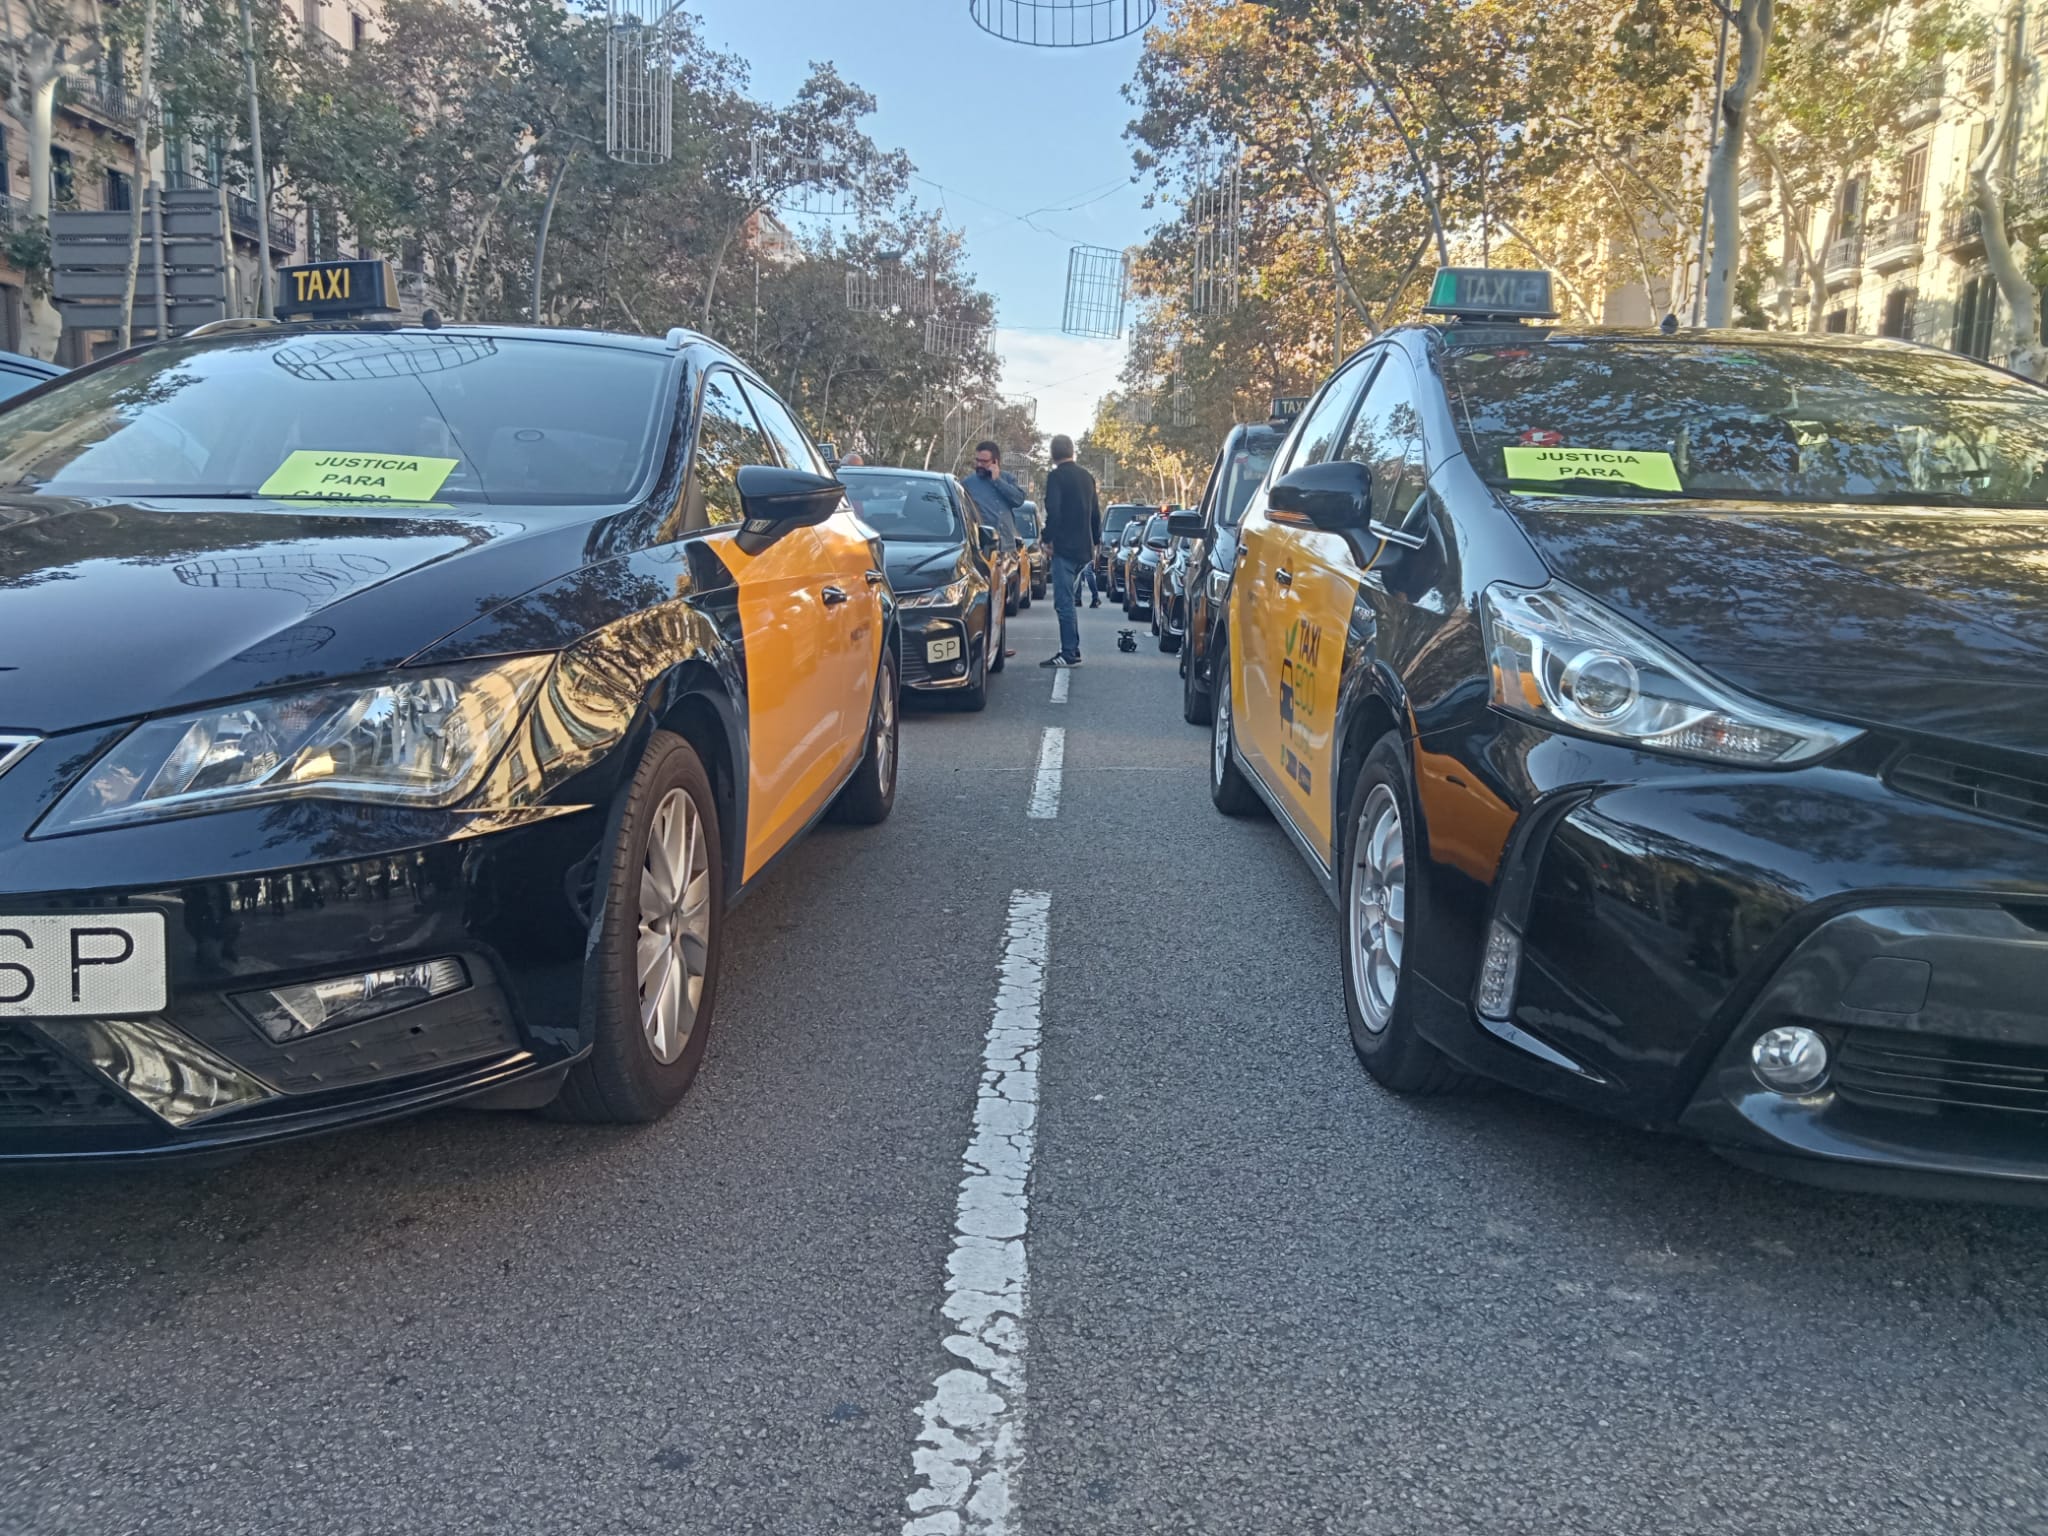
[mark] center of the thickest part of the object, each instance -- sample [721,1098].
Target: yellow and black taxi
[1660,709]
[943,567]
[1037,556]
[392,713]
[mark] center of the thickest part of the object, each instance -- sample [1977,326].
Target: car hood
[916,564]
[1931,621]
[112,610]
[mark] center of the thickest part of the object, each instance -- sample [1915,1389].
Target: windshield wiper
[1591,485]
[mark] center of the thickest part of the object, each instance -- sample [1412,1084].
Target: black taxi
[1660,709]
[392,712]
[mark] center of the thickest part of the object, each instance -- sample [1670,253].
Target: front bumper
[511,905]
[1669,914]
[918,629]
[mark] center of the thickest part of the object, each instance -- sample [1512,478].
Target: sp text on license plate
[106,963]
[942,650]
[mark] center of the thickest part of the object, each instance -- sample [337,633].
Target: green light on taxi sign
[1491,293]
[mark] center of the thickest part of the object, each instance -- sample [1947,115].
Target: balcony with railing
[1983,63]
[106,100]
[1753,191]
[1925,104]
[243,217]
[1843,262]
[1960,227]
[1895,242]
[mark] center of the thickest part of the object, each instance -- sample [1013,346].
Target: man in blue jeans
[1073,527]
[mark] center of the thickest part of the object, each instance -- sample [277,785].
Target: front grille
[1894,1069]
[911,670]
[43,1089]
[2000,796]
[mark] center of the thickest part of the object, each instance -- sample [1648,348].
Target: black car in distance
[1141,566]
[1114,519]
[1662,714]
[1246,455]
[945,579]
[1128,538]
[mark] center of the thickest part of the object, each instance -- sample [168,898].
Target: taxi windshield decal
[329,476]
[1624,466]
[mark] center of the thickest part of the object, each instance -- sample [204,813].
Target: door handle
[1284,576]
[833,596]
[875,578]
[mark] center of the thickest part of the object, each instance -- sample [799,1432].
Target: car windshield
[1155,531]
[1246,467]
[1027,522]
[1778,423]
[380,415]
[1114,518]
[902,506]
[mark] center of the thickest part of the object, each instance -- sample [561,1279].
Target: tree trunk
[268,299]
[2007,262]
[717,266]
[1753,23]
[483,230]
[138,196]
[1338,268]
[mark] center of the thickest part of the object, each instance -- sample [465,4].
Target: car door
[782,625]
[1331,570]
[1276,665]
[849,587]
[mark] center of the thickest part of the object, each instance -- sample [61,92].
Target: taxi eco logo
[1298,694]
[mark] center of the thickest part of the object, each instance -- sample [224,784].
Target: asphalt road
[1265,1298]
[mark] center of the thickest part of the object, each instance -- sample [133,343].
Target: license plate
[103,963]
[942,650]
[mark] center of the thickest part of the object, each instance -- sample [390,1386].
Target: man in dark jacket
[1073,527]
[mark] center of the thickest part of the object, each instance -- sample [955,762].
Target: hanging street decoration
[1063,23]
[640,80]
[1213,217]
[1098,282]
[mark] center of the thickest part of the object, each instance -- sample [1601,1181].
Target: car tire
[974,698]
[1024,598]
[870,794]
[1010,600]
[1001,643]
[1229,789]
[1380,831]
[1196,706]
[638,1068]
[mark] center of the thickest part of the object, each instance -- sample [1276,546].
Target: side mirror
[1336,497]
[773,501]
[1185,525]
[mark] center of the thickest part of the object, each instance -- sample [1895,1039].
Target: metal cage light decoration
[1063,23]
[1098,279]
[950,338]
[640,80]
[1214,216]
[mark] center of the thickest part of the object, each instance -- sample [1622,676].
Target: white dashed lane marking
[1060,677]
[1045,788]
[970,1440]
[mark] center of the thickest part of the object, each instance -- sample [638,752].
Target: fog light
[1790,1059]
[288,1013]
[1499,971]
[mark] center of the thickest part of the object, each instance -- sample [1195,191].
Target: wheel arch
[697,707]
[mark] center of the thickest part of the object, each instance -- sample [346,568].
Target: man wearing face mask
[996,495]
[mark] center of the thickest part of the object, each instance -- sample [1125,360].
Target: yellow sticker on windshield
[1624,466]
[330,476]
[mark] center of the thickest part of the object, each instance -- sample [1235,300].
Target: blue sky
[997,130]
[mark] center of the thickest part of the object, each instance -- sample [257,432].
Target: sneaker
[1056,659]
[1073,660]
[1095,603]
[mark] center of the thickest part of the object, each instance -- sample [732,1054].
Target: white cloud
[1067,375]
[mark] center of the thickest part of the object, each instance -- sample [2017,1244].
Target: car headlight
[1560,659]
[424,739]
[1219,583]
[949,596]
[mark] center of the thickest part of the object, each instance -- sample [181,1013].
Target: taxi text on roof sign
[1486,293]
[1287,407]
[326,290]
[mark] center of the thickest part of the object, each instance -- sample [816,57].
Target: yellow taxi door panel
[1270,651]
[793,752]
[1259,606]
[1311,660]
[856,632]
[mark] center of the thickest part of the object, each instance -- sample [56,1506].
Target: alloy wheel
[1219,738]
[885,731]
[674,946]
[1379,907]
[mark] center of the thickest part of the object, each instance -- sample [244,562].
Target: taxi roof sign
[336,290]
[1287,407]
[1491,293]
